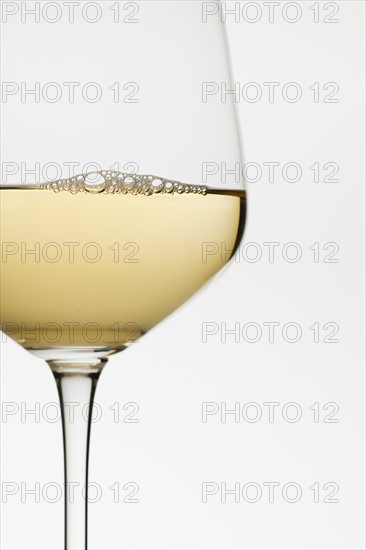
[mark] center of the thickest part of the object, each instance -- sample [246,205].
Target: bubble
[129,181]
[94,182]
[156,185]
[55,187]
[108,181]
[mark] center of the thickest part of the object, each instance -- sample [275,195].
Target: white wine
[98,265]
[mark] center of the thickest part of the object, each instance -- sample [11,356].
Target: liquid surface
[100,269]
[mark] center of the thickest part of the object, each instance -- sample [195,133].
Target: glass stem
[76,384]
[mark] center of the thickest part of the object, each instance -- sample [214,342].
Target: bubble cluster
[108,181]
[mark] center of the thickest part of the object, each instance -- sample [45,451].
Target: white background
[170,452]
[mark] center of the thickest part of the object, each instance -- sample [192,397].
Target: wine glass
[121,192]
